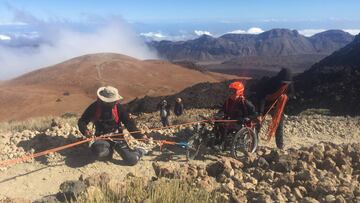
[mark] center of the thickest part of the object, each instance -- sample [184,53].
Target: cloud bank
[4,37]
[57,41]
[352,31]
[311,32]
[201,32]
[253,30]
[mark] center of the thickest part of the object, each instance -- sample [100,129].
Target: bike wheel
[244,142]
[194,147]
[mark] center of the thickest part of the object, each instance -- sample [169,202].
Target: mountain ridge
[236,48]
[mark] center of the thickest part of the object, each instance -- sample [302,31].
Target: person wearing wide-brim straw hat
[109,116]
[108,94]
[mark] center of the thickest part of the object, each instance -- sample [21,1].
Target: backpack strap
[115,113]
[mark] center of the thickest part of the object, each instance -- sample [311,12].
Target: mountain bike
[234,136]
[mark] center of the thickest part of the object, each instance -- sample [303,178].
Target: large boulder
[71,190]
[285,163]
[100,179]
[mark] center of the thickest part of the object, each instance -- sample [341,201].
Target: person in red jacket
[236,107]
[109,116]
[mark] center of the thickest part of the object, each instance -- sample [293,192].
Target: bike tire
[244,141]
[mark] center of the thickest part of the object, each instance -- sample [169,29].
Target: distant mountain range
[272,49]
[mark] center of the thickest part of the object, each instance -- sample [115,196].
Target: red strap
[115,114]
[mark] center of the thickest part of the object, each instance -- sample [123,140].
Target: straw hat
[108,94]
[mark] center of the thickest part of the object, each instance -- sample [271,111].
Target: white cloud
[3,23]
[238,32]
[5,37]
[61,42]
[153,35]
[253,30]
[201,32]
[158,36]
[310,32]
[352,31]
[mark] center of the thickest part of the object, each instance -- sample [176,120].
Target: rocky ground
[320,162]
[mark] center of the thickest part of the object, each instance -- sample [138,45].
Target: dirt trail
[38,179]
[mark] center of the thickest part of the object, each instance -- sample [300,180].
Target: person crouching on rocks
[178,107]
[164,109]
[109,116]
[273,93]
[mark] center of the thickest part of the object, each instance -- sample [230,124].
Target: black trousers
[279,134]
[165,121]
[103,150]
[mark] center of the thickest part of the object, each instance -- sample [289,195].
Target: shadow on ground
[81,155]
[77,156]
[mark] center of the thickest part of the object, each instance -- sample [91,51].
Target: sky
[177,20]
[192,11]
[45,32]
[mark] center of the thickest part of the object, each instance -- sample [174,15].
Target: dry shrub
[35,124]
[163,190]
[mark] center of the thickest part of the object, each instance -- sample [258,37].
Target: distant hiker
[164,109]
[237,107]
[275,89]
[179,107]
[109,116]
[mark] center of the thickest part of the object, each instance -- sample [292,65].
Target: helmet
[239,87]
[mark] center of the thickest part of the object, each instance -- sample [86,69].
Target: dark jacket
[239,109]
[178,108]
[106,123]
[270,86]
[164,107]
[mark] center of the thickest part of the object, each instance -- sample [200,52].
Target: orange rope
[277,116]
[43,153]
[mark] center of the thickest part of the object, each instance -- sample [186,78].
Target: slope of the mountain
[70,86]
[328,41]
[334,82]
[283,42]
[202,48]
